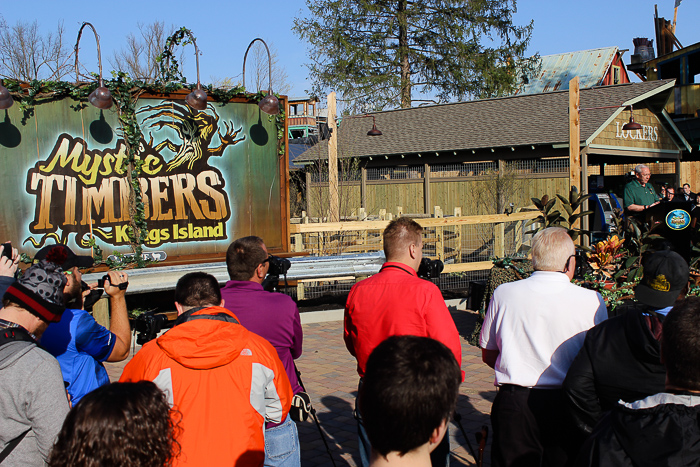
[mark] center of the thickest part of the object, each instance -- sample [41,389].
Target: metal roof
[533,119]
[557,70]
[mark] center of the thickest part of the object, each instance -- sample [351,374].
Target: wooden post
[363,187]
[574,137]
[333,198]
[458,238]
[298,243]
[584,240]
[426,189]
[678,170]
[309,193]
[574,134]
[439,237]
[499,240]
[518,235]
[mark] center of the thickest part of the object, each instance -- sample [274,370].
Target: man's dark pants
[529,427]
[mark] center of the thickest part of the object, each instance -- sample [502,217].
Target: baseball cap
[40,291]
[63,257]
[665,276]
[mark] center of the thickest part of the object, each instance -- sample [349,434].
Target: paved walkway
[330,376]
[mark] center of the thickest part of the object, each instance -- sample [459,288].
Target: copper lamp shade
[374,131]
[197,99]
[632,125]
[101,97]
[5,97]
[270,104]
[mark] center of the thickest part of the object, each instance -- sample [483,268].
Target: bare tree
[224,83]
[26,54]
[138,58]
[259,78]
[257,75]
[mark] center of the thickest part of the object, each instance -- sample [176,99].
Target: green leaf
[635,229]
[567,208]
[549,204]
[630,261]
[639,273]
[578,202]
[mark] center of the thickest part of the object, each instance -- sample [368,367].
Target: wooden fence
[463,243]
[419,194]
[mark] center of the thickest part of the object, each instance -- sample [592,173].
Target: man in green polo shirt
[639,194]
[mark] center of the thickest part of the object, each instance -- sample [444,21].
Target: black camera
[101,283]
[148,325]
[430,268]
[278,266]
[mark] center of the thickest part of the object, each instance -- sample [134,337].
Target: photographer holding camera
[77,341]
[395,301]
[273,316]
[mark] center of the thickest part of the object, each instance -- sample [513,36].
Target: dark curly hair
[120,424]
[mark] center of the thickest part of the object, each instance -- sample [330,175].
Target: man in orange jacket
[224,380]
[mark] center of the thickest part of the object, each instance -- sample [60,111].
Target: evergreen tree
[376,53]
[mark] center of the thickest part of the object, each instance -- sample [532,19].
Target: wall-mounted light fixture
[269,104]
[374,131]
[100,97]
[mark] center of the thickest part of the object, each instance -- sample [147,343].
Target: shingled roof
[533,119]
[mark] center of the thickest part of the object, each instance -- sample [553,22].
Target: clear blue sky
[224,28]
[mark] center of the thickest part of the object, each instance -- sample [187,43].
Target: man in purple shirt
[273,316]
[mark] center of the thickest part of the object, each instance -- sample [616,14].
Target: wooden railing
[444,238]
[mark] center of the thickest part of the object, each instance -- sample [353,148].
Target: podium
[672,221]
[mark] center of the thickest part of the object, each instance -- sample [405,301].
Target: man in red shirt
[396,301]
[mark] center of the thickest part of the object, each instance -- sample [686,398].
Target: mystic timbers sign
[206,178]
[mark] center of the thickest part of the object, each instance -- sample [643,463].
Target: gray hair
[638,169]
[551,249]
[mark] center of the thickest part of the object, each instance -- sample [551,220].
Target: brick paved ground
[330,376]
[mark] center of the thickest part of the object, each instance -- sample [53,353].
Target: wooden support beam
[429,222]
[426,189]
[333,197]
[574,134]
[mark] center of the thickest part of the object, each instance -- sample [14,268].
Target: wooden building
[593,67]
[483,155]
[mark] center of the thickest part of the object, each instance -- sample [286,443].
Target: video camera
[148,325]
[278,267]
[430,268]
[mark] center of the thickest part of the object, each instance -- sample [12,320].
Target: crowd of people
[575,386]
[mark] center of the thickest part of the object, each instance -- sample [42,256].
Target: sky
[225,28]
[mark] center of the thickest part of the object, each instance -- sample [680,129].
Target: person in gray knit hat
[33,401]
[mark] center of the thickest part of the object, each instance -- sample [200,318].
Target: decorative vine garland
[126,92]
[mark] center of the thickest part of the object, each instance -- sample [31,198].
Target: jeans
[282,445]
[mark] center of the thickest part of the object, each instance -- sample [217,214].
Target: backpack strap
[8,335]
[12,445]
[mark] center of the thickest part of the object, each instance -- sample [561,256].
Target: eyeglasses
[566,265]
[268,259]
